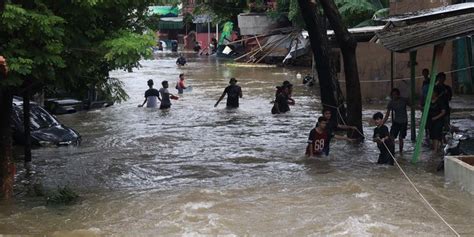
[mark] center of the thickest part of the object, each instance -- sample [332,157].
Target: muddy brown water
[198,170]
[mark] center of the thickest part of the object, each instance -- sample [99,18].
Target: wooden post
[470,61]
[208,35]
[26,120]
[437,52]
[392,70]
[392,75]
[412,94]
[217,32]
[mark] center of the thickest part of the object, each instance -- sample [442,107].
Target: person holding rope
[384,140]
[398,105]
[319,137]
[333,126]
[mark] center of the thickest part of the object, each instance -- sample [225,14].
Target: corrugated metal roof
[401,37]
[446,11]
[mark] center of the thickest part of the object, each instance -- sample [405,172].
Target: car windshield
[39,118]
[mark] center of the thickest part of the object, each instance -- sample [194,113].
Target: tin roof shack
[407,33]
[170,25]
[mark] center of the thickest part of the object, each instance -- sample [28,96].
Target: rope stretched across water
[404,174]
[419,193]
[342,119]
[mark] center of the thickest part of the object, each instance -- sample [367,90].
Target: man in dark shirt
[282,101]
[425,86]
[398,105]
[445,94]
[333,126]
[181,61]
[436,115]
[234,92]
[151,96]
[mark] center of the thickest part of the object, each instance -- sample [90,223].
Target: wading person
[425,86]
[445,94]
[318,138]
[281,105]
[165,96]
[333,126]
[233,92]
[397,105]
[181,61]
[384,140]
[287,84]
[436,121]
[180,86]
[151,96]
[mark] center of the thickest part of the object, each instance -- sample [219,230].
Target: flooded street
[199,170]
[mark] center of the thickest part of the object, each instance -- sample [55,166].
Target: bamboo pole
[258,42]
[437,53]
[242,56]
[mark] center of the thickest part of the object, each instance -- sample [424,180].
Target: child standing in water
[383,140]
[165,96]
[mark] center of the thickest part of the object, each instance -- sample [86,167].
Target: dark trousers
[384,156]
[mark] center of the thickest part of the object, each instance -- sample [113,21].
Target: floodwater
[198,170]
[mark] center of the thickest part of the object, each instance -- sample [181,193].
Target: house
[375,61]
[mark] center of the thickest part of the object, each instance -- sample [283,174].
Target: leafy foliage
[31,42]
[71,46]
[360,12]
[221,10]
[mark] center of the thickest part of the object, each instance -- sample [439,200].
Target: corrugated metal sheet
[413,30]
[410,37]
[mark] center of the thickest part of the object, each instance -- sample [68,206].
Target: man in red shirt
[319,136]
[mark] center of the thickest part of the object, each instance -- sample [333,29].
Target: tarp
[299,47]
[166,11]
[171,23]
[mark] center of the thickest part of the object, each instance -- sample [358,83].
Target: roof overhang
[408,32]
[360,34]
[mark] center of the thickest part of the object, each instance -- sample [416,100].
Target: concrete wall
[460,172]
[373,62]
[255,23]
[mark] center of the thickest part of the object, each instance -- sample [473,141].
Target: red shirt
[181,84]
[318,140]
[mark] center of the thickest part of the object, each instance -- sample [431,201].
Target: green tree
[221,11]
[356,13]
[67,44]
[32,44]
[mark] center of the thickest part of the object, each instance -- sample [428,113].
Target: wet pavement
[200,170]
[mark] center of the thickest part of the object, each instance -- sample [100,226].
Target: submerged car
[45,129]
[63,106]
